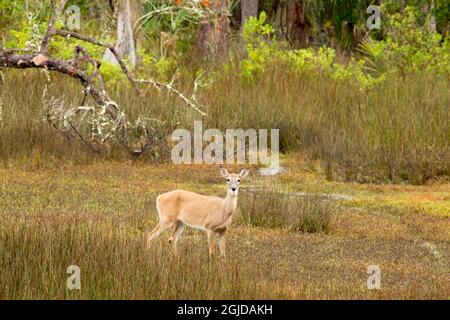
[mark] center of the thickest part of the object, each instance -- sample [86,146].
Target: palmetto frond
[372,51]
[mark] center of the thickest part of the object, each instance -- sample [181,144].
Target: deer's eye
[239,180]
[228,180]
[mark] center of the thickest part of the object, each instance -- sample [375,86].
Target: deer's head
[233,179]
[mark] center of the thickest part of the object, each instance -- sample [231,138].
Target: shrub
[262,52]
[409,46]
[259,44]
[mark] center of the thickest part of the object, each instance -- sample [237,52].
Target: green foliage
[262,52]
[412,47]
[340,21]
[257,29]
[259,44]
[29,35]
[13,12]
[158,66]
[423,8]
[111,73]
[165,67]
[172,26]
[63,48]
[409,46]
[373,52]
[311,60]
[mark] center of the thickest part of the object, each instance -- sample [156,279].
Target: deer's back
[190,207]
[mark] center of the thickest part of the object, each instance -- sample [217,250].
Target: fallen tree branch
[122,64]
[190,102]
[92,125]
[170,88]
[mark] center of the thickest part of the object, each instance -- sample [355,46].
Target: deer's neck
[230,203]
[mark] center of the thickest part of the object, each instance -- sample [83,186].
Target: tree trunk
[129,12]
[432,18]
[249,8]
[297,24]
[428,9]
[212,34]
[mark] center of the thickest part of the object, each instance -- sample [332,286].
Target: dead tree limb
[107,113]
[56,13]
[135,82]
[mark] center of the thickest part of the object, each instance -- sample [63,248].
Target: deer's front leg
[222,245]
[221,235]
[210,235]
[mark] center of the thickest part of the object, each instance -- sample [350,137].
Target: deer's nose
[233,189]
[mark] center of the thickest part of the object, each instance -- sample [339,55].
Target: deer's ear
[244,173]
[223,172]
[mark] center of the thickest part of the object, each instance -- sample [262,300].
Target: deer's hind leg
[176,234]
[160,228]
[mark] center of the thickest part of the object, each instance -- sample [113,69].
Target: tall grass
[274,209]
[113,262]
[399,130]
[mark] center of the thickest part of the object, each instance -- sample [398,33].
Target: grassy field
[97,216]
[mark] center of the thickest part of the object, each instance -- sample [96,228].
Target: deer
[181,208]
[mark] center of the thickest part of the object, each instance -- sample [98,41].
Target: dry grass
[114,264]
[276,209]
[97,217]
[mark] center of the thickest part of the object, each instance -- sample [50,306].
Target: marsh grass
[273,208]
[114,263]
[397,131]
